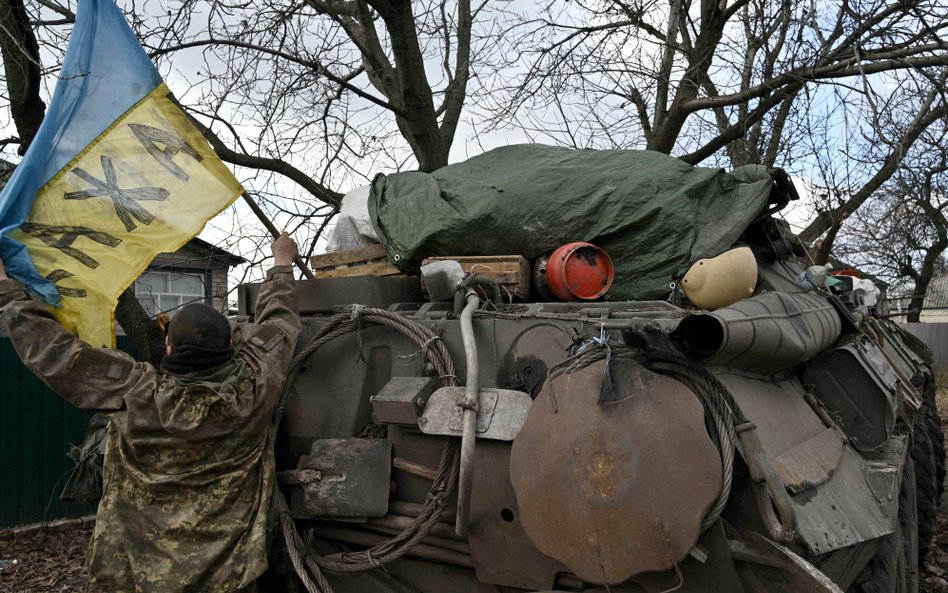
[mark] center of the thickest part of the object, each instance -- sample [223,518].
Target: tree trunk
[824,247]
[420,125]
[916,304]
[924,278]
[668,126]
[141,329]
[21,63]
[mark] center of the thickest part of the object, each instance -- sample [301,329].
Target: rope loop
[601,342]
[356,312]
[427,345]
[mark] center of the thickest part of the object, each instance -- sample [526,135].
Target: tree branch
[226,154]
[456,91]
[826,220]
[311,64]
[800,75]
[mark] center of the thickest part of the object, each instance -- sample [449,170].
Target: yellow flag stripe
[146,186]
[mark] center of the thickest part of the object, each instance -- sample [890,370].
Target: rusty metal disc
[619,486]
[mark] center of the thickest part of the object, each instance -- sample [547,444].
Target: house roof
[936,297]
[214,253]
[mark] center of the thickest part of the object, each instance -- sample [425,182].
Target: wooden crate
[512,272]
[364,261]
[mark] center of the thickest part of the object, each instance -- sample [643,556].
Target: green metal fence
[36,429]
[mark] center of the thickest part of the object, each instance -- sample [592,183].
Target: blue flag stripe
[105,72]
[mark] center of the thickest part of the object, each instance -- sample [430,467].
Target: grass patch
[941,393]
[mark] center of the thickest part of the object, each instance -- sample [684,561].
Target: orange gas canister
[579,272]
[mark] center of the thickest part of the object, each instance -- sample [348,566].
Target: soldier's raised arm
[269,342]
[87,377]
[275,301]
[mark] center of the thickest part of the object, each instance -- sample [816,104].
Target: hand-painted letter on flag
[115,175]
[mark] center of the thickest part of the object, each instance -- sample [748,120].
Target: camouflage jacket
[189,467]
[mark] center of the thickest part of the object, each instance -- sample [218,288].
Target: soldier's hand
[285,250]
[3,271]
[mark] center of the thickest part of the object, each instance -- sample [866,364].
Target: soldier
[189,467]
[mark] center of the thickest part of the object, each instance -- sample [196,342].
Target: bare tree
[326,73]
[306,99]
[902,233]
[875,149]
[741,82]
[321,93]
[692,79]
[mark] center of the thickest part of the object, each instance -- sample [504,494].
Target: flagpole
[276,233]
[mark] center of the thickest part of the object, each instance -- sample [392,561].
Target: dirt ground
[935,572]
[53,560]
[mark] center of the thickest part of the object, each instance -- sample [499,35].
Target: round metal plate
[616,488]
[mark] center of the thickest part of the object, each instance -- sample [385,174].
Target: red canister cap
[579,271]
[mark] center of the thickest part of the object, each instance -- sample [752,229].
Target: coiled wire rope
[721,412]
[309,566]
[721,416]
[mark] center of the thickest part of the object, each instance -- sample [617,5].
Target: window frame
[205,276]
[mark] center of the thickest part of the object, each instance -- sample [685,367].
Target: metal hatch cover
[614,489]
[501,414]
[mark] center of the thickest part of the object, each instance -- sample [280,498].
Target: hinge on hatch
[594,313]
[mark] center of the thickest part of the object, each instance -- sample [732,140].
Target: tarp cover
[652,213]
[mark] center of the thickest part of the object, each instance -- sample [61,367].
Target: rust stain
[599,470]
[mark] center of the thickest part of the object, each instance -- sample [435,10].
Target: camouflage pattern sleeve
[86,377]
[275,302]
[268,344]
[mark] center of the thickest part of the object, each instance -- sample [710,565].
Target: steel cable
[308,566]
[721,412]
[721,416]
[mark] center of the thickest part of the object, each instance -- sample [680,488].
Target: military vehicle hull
[822,473]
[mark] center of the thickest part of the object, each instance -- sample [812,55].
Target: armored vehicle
[754,428]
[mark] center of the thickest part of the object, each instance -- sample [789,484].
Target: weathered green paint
[36,430]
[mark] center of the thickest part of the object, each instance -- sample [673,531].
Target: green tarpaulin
[652,213]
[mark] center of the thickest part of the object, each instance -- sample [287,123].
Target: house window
[167,291]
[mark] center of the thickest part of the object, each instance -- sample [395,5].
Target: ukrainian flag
[115,175]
